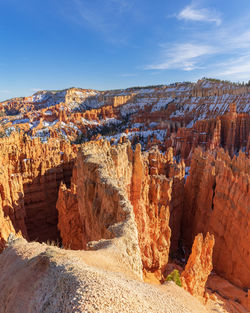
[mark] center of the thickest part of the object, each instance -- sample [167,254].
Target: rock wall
[69,223]
[155,180]
[105,214]
[108,176]
[235,131]
[30,177]
[216,200]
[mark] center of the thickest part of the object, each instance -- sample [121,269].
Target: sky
[110,44]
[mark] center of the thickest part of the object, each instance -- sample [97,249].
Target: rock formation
[30,176]
[138,188]
[182,116]
[69,222]
[104,210]
[217,201]
[230,131]
[146,181]
[199,266]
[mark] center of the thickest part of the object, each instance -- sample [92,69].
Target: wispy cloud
[239,68]
[224,53]
[233,46]
[104,18]
[5,91]
[192,13]
[184,56]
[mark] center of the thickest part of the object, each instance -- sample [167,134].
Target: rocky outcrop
[199,266]
[31,173]
[119,100]
[217,201]
[150,197]
[108,176]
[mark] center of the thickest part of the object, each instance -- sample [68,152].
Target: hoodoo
[107,196]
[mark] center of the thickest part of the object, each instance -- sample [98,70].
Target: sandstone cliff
[105,214]
[217,201]
[230,131]
[30,176]
[145,180]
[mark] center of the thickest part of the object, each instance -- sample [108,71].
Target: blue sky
[108,44]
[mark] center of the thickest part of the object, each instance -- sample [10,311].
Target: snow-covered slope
[143,113]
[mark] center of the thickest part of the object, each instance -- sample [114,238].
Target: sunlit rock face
[141,173]
[30,176]
[146,180]
[217,201]
[199,265]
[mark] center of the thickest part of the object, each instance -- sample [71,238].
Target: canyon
[31,174]
[132,182]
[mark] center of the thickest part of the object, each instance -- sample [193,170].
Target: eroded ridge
[112,183]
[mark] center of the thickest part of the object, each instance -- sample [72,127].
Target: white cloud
[190,13]
[184,56]
[5,91]
[105,19]
[238,68]
[239,41]
[222,53]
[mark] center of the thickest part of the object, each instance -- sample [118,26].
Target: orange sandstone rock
[69,223]
[146,180]
[217,197]
[199,265]
[30,176]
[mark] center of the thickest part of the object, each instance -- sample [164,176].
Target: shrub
[175,277]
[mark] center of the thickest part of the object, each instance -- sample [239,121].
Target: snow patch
[21,121]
